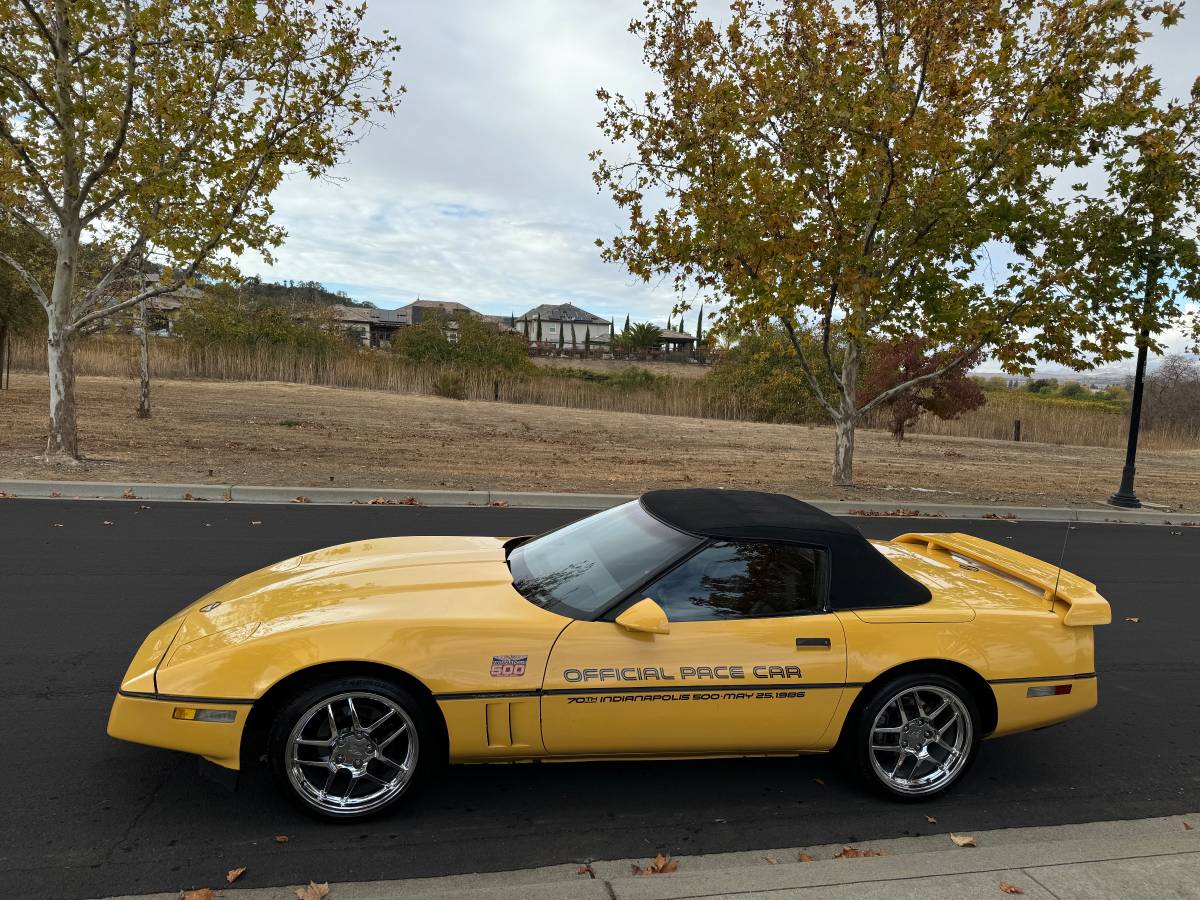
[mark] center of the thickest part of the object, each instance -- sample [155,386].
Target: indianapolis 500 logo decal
[508,666]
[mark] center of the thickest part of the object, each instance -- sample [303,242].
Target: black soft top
[860,576]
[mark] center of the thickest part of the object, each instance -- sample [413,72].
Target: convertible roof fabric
[860,576]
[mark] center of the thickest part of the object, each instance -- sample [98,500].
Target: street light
[1125,497]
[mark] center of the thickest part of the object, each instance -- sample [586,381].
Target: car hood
[385,578]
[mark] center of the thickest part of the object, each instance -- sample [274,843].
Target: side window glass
[742,580]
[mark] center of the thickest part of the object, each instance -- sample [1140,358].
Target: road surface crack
[145,807]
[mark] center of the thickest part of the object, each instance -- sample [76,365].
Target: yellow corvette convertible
[684,624]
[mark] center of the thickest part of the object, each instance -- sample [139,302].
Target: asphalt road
[82,582]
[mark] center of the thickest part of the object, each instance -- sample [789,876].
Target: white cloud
[480,190]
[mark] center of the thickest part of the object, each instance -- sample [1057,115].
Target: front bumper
[150,719]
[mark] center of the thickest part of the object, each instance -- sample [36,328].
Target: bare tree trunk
[143,410]
[847,418]
[62,441]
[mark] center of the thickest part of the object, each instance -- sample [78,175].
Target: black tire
[361,756]
[872,765]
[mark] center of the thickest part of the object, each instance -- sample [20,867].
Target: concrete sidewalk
[1157,858]
[222,493]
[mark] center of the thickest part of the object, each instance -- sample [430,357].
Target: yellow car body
[437,613]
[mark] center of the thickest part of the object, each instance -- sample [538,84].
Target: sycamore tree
[161,128]
[846,166]
[1132,236]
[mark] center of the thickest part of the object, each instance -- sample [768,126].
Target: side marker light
[1048,690]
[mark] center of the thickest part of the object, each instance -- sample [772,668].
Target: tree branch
[930,376]
[27,222]
[41,26]
[107,311]
[813,384]
[29,280]
[114,151]
[32,93]
[96,293]
[30,167]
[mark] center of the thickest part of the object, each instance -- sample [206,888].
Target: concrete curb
[1144,857]
[114,490]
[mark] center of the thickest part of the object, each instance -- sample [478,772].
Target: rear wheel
[348,748]
[917,736]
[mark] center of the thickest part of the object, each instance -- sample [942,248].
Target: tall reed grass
[1041,421]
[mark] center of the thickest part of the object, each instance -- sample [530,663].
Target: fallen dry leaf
[56,493]
[662,865]
[1187,826]
[198,894]
[932,820]
[586,869]
[234,874]
[963,840]
[313,891]
[804,857]
[1133,619]
[1010,888]
[855,853]
[771,860]
[281,838]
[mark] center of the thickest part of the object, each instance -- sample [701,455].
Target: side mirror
[645,616]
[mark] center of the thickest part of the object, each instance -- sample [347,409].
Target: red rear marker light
[1049,690]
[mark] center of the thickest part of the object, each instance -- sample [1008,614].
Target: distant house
[418,309]
[564,325]
[371,327]
[162,310]
[375,327]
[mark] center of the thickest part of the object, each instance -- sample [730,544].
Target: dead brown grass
[287,434]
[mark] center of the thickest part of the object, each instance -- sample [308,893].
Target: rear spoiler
[1084,605]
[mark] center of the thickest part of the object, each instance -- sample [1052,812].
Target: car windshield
[583,567]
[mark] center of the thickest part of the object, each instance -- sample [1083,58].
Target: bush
[229,320]
[451,386]
[635,378]
[762,376]
[477,344]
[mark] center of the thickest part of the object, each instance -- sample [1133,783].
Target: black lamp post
[1125,497]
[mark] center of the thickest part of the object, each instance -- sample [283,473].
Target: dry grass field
[613,366]
[290,434]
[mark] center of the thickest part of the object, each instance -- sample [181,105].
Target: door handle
[819,643]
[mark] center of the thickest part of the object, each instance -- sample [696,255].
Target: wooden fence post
[1016,429]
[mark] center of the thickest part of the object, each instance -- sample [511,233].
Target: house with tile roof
[564,326]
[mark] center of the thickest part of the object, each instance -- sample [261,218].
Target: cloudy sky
[480,190]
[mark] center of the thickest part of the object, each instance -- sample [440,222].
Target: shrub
[762,375]
[229,320]
[451,386]
[477,344]
[635,378]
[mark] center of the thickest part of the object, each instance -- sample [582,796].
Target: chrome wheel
[352,753]
[921,739]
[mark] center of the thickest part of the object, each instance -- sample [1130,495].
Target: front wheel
[348,748]
[916,736]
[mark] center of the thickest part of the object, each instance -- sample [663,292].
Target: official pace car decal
[509,666]
[682,673]
[691,683]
